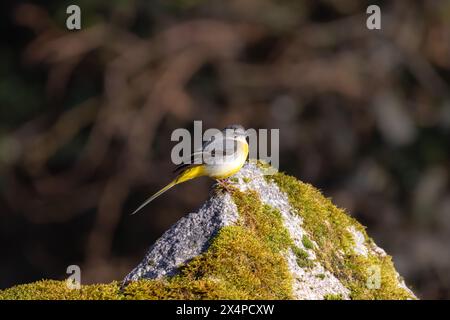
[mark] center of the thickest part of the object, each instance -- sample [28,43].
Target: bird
[219,158]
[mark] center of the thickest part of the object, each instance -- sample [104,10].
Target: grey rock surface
[186,239]
[192,234]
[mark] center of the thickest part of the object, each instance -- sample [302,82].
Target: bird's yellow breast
[229,168]
[228,173]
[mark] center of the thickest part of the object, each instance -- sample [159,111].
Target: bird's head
[236,131]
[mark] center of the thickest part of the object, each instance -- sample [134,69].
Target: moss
[307,243]
[332,297]
[143,289]
[328,226]
[243,262]
[56,290]
[234,180]
[302,256]
[246,180]
[263,220]
[262,164]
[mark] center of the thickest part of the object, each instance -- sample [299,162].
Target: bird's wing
[222,147]
[226,147]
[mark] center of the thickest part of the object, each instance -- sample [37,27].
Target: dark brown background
[86,118]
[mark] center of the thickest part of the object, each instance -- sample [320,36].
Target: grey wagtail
[219,158]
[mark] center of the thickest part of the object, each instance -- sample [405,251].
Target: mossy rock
[270,237]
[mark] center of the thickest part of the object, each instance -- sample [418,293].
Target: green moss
[332,297]
[328,226]
[263,220]
[243,262]
[56,290]
[307,243]
[234,180]
[143,289]
[302,256]
[262,164]
[246,180]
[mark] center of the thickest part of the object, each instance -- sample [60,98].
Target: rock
[268,237]
[324,259]
[186,239]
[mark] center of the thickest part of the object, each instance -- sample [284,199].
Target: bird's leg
[224,184]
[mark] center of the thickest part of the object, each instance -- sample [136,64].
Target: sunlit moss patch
[328,226]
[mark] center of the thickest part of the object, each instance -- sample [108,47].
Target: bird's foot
[225,184]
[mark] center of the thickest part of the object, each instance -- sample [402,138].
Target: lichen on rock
[271,237]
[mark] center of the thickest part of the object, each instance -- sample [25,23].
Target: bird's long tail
[188,174]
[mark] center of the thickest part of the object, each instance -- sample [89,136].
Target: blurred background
[86,118]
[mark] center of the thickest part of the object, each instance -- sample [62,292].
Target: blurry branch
[313,77]
[64,129]
[407,40]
